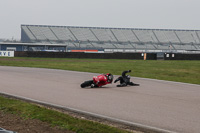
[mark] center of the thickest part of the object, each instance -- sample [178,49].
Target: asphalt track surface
[168,106]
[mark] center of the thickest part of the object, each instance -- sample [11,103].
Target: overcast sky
[151,14]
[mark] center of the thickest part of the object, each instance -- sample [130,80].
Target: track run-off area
[161,105]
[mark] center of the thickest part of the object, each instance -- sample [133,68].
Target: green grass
[181,71]
[55,118]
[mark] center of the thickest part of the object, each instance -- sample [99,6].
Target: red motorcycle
[98,81]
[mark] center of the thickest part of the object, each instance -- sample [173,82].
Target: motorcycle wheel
[86,83]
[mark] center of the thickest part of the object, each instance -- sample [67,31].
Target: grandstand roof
[42,33]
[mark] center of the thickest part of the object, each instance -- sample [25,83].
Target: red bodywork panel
[100,80]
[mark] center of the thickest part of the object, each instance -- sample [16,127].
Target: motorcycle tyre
[86,83]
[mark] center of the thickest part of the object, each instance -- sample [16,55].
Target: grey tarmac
[166,105]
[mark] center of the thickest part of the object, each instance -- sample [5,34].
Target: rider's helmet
[109,77]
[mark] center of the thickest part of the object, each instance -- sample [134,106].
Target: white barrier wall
[7,53]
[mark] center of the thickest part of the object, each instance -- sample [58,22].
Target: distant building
[66,38]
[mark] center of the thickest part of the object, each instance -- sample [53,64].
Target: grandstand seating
[113,38]
[28,33]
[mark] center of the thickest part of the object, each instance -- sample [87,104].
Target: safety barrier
[135,56]
[117,55]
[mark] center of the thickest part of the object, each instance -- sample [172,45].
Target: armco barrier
[135,56]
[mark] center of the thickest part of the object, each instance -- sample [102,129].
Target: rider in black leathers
[125,80]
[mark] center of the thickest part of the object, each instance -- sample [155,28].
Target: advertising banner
[6,53]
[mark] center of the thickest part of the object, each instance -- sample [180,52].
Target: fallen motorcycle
[98,81]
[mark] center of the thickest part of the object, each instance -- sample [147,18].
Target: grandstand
[108,39]
[113,39]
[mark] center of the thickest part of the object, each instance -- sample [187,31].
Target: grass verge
[55,118]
